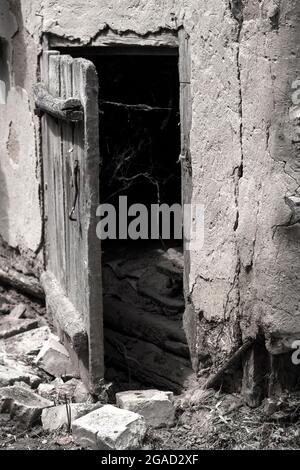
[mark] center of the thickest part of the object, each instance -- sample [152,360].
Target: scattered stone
[155,406]
[24,385]
[22,404]
[11,327]
[58,391]
[110,428]
[54,359]
[64,441]
[20,373]
[18,312]
[64,415]
[25,344]
[81,394]
[48,390]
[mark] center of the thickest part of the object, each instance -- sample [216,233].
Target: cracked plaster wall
[244,59]
[20,220]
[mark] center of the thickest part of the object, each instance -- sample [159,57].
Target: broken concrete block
[18,312]
[81,394]
[22,404]
[155,406]
[9,376]
[54,359]
[110,428]
[11,327]
[59,391]
[64,415]
[25,344]
[48,390]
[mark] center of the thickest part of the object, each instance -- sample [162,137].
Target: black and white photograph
[149,228]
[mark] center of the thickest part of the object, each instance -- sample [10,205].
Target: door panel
[72,279]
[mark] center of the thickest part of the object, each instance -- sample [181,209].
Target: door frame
[165,42]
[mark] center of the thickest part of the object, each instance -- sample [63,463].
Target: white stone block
[154,405]
[110,428]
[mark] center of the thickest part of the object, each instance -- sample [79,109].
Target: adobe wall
[244,161]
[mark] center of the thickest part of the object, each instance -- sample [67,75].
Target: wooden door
[68,98]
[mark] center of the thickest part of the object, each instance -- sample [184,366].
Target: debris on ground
[22,404]
[54,359]
[201,419]
[25,344]
[110,428]
[60,416]
[155,406]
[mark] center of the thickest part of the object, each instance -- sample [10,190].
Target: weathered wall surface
[244,59]
[20,220]
[244,282]
[269,251]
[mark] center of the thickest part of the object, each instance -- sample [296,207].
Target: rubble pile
[40,386]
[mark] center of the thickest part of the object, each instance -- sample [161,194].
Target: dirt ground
[220,422]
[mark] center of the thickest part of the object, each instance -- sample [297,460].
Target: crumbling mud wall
[20,218]
[244,154]
[244,282]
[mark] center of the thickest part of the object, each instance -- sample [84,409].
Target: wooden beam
[215,378]
[69,109]
[28,285]
[110,39]
[64,313]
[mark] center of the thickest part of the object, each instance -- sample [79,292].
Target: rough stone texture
[10,375]
[58,391]
[54,359]
[18,312]
[81,394]
[244,151]
[57,417]
[22,404]
[110,428]
[11,327]
[155,406]
[25,344]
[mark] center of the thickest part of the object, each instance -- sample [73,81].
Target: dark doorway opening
[142,279]
[140,129]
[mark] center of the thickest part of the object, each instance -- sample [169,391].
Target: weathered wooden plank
[55,74]
[53,153]
[90,200]
[64,313]
[28,285]
[165,39]
[66,162]
[66,109]
[73,276]
[185,121]
[255,374]
[78,260]
[215,379]
[189,317]
[46,163]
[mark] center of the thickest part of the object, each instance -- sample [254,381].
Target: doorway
[140,145]
[140,140]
